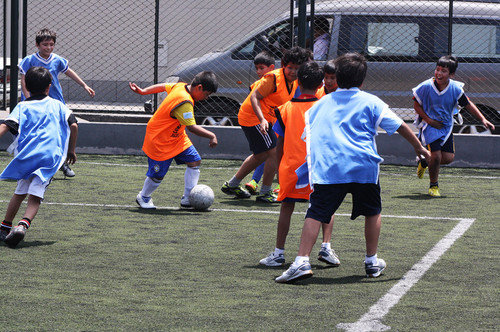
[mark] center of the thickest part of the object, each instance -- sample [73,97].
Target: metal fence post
[302,22]
[450,27]
[14,52]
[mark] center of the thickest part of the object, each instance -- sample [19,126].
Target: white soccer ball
[201,197]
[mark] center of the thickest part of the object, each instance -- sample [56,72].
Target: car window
[275,39]
[392,39]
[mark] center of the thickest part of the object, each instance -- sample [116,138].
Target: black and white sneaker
[374,270]
[67,171]
[15,236]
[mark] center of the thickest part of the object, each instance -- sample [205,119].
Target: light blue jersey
[340,130]
[438,105]
[42,142]
[55,64]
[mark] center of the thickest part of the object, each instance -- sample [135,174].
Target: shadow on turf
[27,244]
[418,197]
[168,212]
[247,202]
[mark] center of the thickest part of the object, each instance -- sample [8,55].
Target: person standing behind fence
[46,132]
[45,40]
[166,137]
[435,101]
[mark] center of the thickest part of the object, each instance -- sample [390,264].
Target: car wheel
[216,121]
[474,130]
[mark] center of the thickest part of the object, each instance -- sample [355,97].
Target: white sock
[149,186]
[278,251]
[191,177]
[264,189]
[301,259]
[371,259]
[326,245]
[234,182]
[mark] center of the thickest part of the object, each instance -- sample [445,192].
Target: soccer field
[93,261]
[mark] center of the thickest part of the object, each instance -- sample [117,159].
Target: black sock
[6,226]
[26,222]
[432,184]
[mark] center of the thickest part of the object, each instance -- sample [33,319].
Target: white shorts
[32,186]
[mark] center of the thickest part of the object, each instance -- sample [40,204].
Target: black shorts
[258,142]
[326,199]
[448,146]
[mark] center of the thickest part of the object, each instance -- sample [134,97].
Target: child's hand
[134,87]
[71,158]
[89,90]
[264,125]
[434,123]
[488,124]
[213,142]
[423,153]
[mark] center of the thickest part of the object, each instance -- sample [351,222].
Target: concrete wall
[120,138]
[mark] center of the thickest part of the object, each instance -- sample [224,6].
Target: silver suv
[401,40]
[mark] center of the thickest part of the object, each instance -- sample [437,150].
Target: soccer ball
[201,197]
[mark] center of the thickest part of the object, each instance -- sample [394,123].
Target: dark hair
[264,58]
[350,70]
[321,24]
[45,34]
[37,80]
[448,61]
[329,67]
[310,75]
[207,80]
[295,55]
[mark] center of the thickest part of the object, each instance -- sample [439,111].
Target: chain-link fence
[111,43]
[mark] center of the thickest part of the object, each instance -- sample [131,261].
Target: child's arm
[405,131]
[26,93]
[74,76]
[3,129]
[255,99]
[279,149]
[156,88]
[202,132]
[420,111]
[71,158]
[472,108]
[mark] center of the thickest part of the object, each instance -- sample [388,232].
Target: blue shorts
[158,169]
[448,146]
[257,142]
[326,199]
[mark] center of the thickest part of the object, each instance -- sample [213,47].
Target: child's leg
[286,211]
[191,176]
[447,157]
[434,165]
[13,207]
[257,174]
[309,235]
[269,171]
[250,163]
[150,185]
[328,230]
[372,233]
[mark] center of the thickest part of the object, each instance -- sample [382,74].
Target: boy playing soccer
[291,150]
[342,158]
[330,80]
[45,42]
[256,117]
[46,133]
[435,101]
[166,138]
[264,63]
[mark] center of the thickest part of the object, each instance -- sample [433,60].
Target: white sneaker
[273,260]
[295,272]
[328,256]
[145,202]
[185,203]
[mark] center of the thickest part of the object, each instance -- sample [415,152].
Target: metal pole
[291,23]
[450,27]
[25,28]
[4,53]
[155,74]
[14,52]
[311,29]
[302,22]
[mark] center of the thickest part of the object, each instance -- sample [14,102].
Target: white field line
[372,320]
[236,168]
